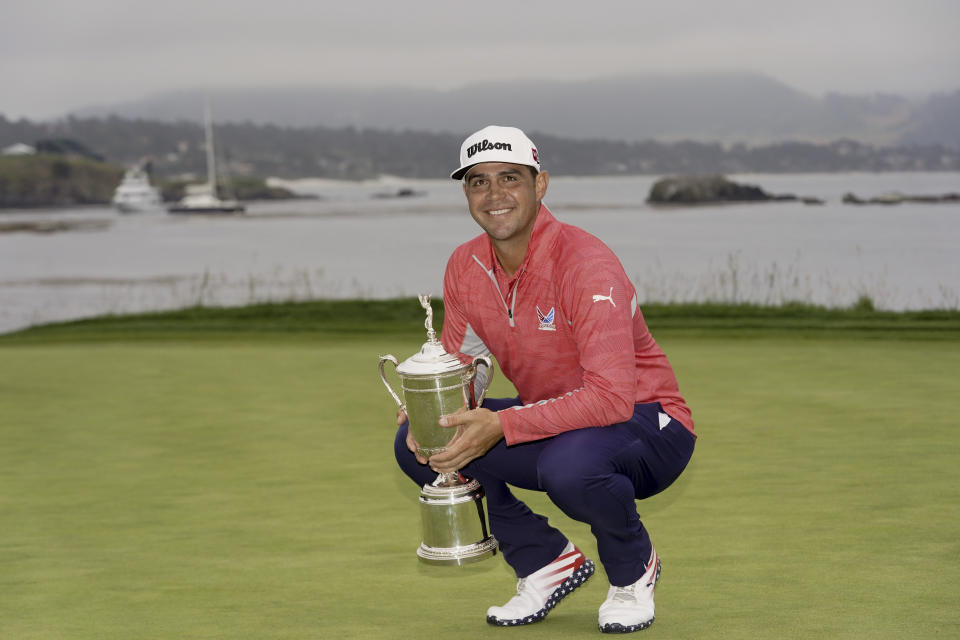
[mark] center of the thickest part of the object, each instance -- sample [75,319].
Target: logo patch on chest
[546,320]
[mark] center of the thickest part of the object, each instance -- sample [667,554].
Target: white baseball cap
[497,144]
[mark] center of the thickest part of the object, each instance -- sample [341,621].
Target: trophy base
[458,555]
[453,524]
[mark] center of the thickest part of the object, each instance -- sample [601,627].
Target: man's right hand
[411,443]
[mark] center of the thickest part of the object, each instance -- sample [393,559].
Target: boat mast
[208,133]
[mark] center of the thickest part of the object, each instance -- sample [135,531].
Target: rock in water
[706,189]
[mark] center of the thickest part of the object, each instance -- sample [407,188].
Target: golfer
[599,420]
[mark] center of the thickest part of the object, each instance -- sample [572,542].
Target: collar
[546,228]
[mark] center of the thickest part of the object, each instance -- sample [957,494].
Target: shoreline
[311,187]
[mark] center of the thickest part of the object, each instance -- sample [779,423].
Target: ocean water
[356,241]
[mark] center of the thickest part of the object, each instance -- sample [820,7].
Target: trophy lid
[432,358]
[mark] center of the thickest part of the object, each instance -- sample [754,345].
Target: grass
[161,479]
[333,318]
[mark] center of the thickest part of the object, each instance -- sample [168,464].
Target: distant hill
[935,121]
[176,150]
[708,107]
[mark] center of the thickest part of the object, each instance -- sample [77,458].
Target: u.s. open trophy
[436,383]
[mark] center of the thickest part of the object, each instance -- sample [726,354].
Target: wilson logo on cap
[486,145]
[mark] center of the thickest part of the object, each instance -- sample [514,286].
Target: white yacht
[202,198]
[135,193]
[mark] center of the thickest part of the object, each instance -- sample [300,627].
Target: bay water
[392,237]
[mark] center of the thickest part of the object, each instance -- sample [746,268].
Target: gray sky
[56,55]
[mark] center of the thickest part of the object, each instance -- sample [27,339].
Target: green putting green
[233,483]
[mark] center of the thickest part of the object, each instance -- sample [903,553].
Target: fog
[58,55]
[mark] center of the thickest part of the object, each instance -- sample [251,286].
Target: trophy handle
[485,361]
[383,376]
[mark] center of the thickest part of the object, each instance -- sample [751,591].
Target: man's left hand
[480,429]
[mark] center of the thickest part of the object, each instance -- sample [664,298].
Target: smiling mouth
[498,212]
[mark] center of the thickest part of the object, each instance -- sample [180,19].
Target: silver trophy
[436,383]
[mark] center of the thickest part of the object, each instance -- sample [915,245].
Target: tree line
[176,150]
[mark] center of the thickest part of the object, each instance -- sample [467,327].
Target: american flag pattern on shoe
[628,609]
[540,592]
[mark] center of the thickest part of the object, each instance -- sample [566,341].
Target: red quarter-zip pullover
[566,330]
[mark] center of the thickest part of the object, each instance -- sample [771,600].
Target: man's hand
[411,443]
[480,429]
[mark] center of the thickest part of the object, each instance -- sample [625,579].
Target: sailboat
[202,198]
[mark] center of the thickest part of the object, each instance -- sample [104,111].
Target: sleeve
[600,302]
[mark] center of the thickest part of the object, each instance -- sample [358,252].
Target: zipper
[513,296]
[513,303]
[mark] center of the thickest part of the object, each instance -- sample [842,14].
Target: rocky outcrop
[689,190]
[895,197]
[53,226]
[50,180]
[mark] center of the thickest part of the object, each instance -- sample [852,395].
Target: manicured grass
[333,318]
[191,485]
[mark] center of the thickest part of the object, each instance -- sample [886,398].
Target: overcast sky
[56,55]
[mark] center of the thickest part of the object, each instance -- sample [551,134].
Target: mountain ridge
[730,107]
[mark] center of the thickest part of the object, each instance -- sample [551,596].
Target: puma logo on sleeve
[597,297]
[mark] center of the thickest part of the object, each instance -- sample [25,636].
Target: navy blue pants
[593,475]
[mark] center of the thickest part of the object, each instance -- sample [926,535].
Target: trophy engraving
[435,383]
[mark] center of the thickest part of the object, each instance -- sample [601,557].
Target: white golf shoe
[630,608]
[540,591]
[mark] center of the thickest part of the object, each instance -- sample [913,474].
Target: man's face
[504,198]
